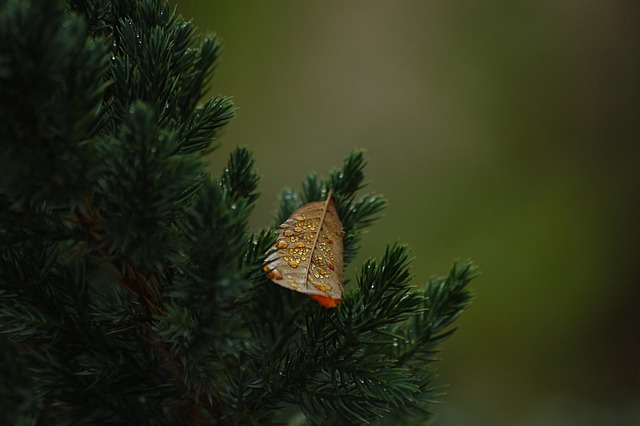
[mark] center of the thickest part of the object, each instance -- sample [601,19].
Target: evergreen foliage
[131,289]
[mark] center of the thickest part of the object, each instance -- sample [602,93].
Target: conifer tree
[131,290]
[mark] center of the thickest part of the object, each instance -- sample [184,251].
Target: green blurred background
[503,131]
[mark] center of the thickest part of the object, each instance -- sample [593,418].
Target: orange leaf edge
[325,301]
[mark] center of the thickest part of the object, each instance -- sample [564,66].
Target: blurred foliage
[507,131]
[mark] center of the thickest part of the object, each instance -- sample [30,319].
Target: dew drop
[274,275]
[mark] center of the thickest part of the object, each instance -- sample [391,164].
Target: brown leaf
[308,256]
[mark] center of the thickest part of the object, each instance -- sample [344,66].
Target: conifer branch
[131,289]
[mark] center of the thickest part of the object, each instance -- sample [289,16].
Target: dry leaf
[308,255]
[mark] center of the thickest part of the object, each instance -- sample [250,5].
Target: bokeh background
[503,131]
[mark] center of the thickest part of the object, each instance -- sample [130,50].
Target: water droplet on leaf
[314,223]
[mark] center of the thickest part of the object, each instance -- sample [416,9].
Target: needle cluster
[131,288]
